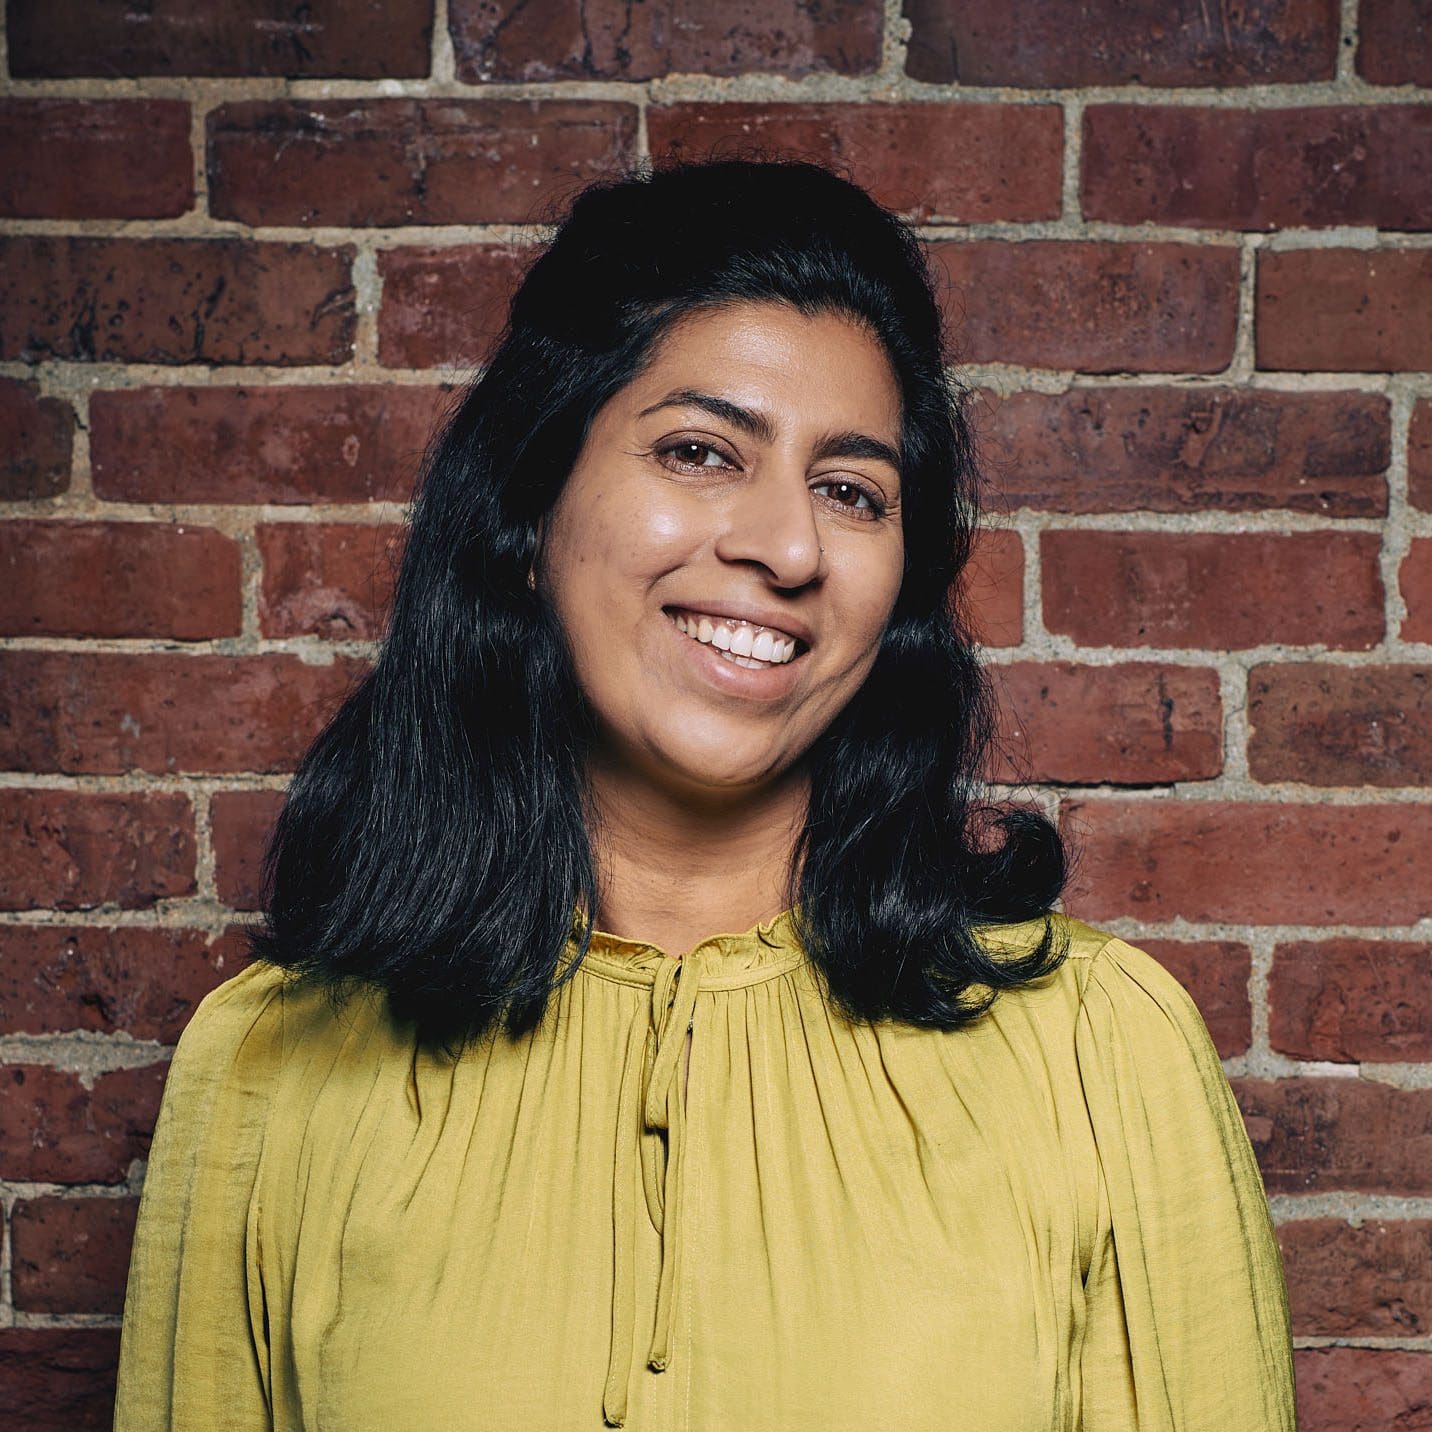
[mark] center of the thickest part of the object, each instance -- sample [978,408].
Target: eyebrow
[757,425]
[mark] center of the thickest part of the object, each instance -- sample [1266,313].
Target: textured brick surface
[71,1255]
[1368,1281]
[118,579]
[1215,973]
[1256,862]
[1218,590]
[73,850]
[1152,449]
[327,579]
[967,163]
[351,442]
[111,712]
[58,1379]
[394,161]
[992,587]
[242,822]
[1356,1389]
[1111,42]
[1093,307]
[1394,42]
[36,436]
[173,301]
[351,38]
[1415,584]
[58,159]
[1419,454]
[507,42]
[1258,169]
[1351,1000]
[1133,723]
[1358,310]
[1340,725]
[129,979]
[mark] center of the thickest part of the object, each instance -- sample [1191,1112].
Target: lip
[754,683]
[786,622]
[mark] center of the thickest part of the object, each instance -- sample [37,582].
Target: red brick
[350,442]
[1038,43]
[1088,305]
[1372,1281]
[1415,583]
[173,301]
[1353,1000]
[1394,42]
[1344,1134]
[992,585]
[95,159]
[1419,455]
[446,306]
[384,162]
[1133,724]
[1340,725]
[118,579]
[72,850]
[1358,1389]
[36,437]
[1258,168]
[1354,310]
[105,713]
[966,163]
[1150,449]
[143,981]
[71,1255]
[242,822]
[1219,590]
[58,1379]
[54,1130]
[1215,973]
[332,580]
[612,40]
[353,39]
[1250,862]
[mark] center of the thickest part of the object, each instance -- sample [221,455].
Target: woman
[652,1027]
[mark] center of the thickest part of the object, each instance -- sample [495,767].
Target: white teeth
[737,641]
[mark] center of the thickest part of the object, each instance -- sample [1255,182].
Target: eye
[853,490]
[686,447]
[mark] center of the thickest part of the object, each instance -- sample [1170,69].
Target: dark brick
[384,162]
[1419,455]
[71,1255]
[1258,168]
[1214,590]
[1359,1389]
[1092,306]
[354,39]
[173,301]
[1215,973]
[1354,310]
[502,41]
[36,436]
[118,579]
[1149,449]
[1328,725]
[1394,42]
[58,1379]
[1038,43]
[1369,1281]
[73,850]
[349,442]
[1415,584]
[332,580]
[992,587]
[965,163]
[242,822]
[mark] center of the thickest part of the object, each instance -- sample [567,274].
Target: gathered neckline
[728,959]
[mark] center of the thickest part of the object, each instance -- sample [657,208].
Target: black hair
[435,839]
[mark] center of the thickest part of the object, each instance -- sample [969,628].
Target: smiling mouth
[737,641]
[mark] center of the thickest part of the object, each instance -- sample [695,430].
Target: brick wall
[247,249]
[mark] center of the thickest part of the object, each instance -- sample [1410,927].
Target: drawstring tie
[652,1097]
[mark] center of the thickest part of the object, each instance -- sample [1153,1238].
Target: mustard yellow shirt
[1049,1221]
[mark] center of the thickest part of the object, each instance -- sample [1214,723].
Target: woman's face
[749,472]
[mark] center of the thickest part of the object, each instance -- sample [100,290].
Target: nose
[772,520]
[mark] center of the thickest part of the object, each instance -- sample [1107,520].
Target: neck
[677,866]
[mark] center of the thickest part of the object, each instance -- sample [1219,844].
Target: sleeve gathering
[193,1351]
[1188,1323]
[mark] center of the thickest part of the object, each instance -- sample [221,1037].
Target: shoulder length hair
[435,839]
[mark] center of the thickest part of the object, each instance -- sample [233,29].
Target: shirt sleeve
[193,1350]
[1187,1323]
